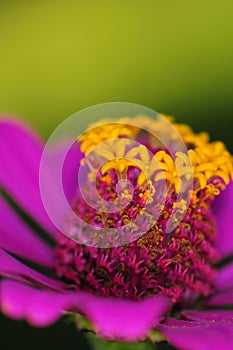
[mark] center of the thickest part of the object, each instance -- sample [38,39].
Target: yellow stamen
[102,133]
[208,163]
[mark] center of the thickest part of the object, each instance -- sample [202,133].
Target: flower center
[155,208]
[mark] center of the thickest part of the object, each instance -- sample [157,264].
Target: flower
[174,220]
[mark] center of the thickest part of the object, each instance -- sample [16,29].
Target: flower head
[147,227]
[159,262]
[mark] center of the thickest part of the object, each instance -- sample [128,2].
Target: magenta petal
[59,168]
[224,278]
[112,318]
[217,316]
[124,320]
[223,207]
[11,267]
[19,172]
[19,239]
[39,308]
[221,299]
[186,335]
[70,169]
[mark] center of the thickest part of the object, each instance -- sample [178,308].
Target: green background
[175,56]
[57,57]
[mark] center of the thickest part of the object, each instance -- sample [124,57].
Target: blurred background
[57,57]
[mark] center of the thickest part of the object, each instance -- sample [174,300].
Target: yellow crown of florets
[208,164]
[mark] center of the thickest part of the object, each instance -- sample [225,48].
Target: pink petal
[19,172]
[11,267]
[112,318]
[223,208]
[19,239]
[187,335]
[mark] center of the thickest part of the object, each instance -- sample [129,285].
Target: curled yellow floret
[200,164]
[101,133]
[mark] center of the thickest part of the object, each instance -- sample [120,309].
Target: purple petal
[11,267]
[124,320]
[216,316]
[19,239]
[19,172]
[112,318]
[187,335]
[221,299]
[224,287]
[39,308]
[72,157]
[224,278]
[223,207]
[59,168]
